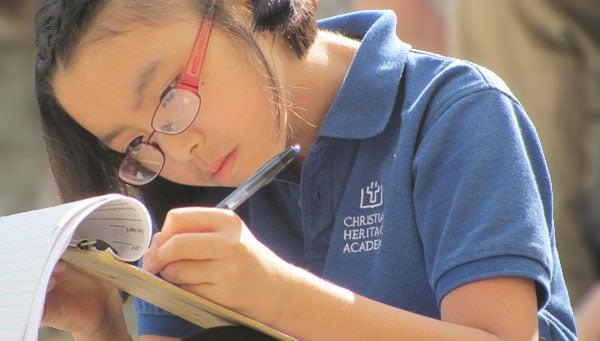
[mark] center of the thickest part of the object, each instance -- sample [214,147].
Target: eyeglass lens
[176,112]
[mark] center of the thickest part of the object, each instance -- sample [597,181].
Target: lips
[216,166]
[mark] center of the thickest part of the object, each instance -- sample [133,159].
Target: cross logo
[371,196]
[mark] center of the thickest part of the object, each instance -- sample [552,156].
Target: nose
[180,147]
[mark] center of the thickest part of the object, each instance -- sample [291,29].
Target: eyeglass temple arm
[191,77]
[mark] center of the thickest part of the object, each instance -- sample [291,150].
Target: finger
[51,284]
[191,272]
[59,268]
[197,219]
[155,239]
[186,246]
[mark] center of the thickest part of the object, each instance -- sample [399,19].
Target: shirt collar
[366,99]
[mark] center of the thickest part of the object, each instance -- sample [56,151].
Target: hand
[88,308]
[212,253]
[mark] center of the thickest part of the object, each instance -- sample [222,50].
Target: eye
[169,127]
[135,142]
[167,91]
[167,98]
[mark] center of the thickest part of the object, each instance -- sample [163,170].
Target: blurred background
[547,51]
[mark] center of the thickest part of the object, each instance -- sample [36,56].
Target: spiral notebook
[97,236]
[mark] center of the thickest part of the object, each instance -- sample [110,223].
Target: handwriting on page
[120,226]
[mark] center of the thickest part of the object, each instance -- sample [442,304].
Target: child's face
[99,91]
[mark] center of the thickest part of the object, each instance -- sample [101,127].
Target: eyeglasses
[176,112]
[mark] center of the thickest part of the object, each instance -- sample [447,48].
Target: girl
[420,207]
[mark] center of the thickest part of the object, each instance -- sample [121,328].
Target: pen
[261,178]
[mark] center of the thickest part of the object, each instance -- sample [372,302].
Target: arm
[213,262]
[502,308]
[114,325]
[89,309]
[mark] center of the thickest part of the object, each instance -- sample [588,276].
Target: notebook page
[26,240]
[65,235]
[123,223]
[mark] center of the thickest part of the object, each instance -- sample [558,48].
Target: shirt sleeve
[482,194]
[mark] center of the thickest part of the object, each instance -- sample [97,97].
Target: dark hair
[81,164]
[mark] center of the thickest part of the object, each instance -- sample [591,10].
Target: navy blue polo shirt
[426,175]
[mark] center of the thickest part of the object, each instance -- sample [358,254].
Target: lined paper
[25,244]
[32,242]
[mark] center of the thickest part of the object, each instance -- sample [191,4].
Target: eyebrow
[143,81]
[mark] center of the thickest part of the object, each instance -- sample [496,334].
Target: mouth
[221,169]
[216,166]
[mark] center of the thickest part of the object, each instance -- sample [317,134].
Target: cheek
[184,173]
[238,91]
[238,106]
[257,107]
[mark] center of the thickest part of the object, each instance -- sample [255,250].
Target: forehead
[98,85]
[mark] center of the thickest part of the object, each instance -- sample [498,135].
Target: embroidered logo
[371,196]
[362,232]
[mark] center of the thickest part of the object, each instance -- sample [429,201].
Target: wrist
[307,297]
[285,285]
[290,290]
[112,325]
[298,288]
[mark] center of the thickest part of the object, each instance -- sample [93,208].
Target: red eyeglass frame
[189,80]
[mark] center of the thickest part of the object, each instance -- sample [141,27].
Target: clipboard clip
[98,245]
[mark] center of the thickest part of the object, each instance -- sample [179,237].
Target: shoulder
[444,80]
[436,87]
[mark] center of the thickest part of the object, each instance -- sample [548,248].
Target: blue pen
[261,178]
